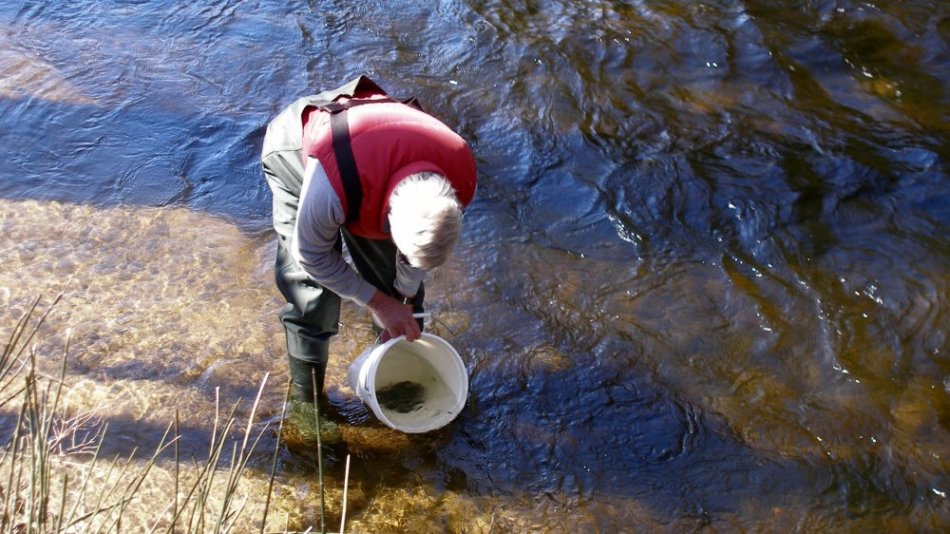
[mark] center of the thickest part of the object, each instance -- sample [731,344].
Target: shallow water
[704,284]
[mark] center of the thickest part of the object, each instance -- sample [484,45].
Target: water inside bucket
[409,388]
[402,397]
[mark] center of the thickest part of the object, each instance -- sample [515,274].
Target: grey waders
[312,314]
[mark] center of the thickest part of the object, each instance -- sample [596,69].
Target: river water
[704,284]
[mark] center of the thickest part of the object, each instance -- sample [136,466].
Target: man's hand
[395,317]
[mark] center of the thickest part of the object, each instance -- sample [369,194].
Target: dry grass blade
[346,485]
[5,357]
[239,459]
[36,327]
[273,467]
[40,492]
[13,458]
[316,416]
[85,484]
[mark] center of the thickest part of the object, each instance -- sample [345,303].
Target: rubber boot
[301,428]
[302,374]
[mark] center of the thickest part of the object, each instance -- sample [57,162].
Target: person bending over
[353,166]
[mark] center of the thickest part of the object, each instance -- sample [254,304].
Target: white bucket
[429,364]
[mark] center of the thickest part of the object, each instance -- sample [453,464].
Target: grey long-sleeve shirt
[319,218]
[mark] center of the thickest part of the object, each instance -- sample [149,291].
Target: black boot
[303,375]
[301,428]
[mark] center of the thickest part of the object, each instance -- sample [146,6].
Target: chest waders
[312,314]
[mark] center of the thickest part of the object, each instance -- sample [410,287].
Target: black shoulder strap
[346,164]
[340,132]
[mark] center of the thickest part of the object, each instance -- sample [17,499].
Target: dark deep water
[704,284]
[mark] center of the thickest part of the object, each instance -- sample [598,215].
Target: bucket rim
[425,335]
[364,381]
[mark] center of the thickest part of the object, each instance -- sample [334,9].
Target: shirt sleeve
[319,218]
[408,278]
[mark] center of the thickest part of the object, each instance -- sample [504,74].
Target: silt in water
[402,397]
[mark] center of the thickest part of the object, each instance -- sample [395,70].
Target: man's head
[425,219]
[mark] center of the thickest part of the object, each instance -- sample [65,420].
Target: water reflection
[707,258]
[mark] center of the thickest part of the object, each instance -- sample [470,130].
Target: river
[704,284]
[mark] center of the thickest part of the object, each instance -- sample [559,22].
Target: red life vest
[389,141]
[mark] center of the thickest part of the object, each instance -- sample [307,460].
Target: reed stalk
[177,473]
[273,467]
[38,495]
[316,416]
[346,485]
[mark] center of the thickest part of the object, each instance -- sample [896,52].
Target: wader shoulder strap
[346,164]
[343,150]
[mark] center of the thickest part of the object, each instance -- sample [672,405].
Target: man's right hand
[395,317]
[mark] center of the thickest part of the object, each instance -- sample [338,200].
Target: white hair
[425,219]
